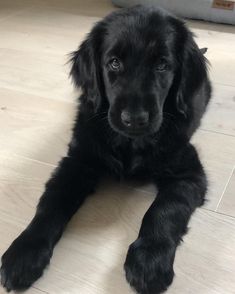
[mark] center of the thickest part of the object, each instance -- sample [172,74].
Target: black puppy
[144,90]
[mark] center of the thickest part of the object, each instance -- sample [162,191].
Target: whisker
[96,115]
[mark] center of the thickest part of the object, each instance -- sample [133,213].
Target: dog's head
[134,61]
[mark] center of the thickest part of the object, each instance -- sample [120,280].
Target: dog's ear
[204,50]
[86,69]
[192,71]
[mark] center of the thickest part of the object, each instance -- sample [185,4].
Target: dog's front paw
[149,266]
[24,261]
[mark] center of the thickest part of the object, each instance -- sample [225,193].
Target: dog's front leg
[28,255]
[149,262]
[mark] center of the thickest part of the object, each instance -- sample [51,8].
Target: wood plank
[220,114]
[205,260]
[218,157]
[36,74]
[227,204]
[35,127]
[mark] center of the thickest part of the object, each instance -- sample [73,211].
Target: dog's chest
[133,164]
[132,160]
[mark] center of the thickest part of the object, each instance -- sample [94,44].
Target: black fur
[144,90]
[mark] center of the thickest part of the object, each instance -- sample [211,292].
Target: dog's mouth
[134,134]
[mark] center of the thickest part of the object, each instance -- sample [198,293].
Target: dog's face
[135,60]
[138,71]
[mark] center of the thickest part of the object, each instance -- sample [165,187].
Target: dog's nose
[135,120]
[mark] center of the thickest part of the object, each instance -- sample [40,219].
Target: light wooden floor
[36,114]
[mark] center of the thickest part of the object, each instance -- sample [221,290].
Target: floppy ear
[192,71]
[204,50]
[86,67]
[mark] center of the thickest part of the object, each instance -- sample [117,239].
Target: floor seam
[225,187]
[35,160]
[224,214]
[72,101]
[217,212]
[216,132]
[40,290]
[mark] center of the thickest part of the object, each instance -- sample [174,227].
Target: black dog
[144,90]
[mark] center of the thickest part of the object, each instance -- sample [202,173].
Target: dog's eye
[115,64]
